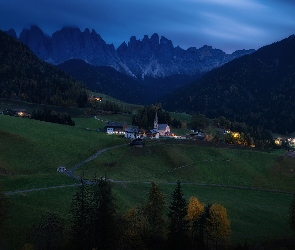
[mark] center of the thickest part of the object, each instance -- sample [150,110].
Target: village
[136,134]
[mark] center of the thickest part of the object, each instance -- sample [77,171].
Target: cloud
[224,24]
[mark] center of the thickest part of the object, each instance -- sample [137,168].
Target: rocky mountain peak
[152,56]
[11,32]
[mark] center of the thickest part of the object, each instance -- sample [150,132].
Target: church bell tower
[156,122]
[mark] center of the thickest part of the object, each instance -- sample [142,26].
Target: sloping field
[30,152]
[169,161]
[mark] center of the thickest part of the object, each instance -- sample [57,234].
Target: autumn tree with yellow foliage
[217,227]
[195,211]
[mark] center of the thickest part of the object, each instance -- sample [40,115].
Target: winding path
[71,174]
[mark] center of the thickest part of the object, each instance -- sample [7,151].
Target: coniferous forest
[25,77]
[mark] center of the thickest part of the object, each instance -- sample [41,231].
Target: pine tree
[103,214]
[292,214]
[81,218]
[4,210]
[178,228]
[200,226]
[48,234]
[154,211]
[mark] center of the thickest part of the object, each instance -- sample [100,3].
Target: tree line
[109,107]
[95,222]
[247,135]
[49,115]
[145,117]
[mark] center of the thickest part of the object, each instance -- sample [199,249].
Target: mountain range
[258,89]
[154,57]
[107,80]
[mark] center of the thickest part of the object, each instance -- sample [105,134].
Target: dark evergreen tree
[154,211]
[145,117]
[292,214]
[48,234]
[4,210]
[199,122]
[103,215]
[178,224]
[200,226]
[81,218]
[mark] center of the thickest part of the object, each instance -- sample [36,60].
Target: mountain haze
[107,80]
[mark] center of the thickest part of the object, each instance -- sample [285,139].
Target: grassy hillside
[168,161]
[31,149]
[30,152]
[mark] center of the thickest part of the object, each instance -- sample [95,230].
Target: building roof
[19,110]
[162,126]
[114,125]
[152,131]
[131,130]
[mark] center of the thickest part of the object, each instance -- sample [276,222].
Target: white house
[153,133]
[132,133]
[115,128]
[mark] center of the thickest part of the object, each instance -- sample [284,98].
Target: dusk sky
[224,24]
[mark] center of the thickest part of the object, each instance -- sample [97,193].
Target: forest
[25,77]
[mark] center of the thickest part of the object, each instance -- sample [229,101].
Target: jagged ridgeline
[258,89]
[23,76]
[154,57]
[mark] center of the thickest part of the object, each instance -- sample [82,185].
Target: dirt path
[71,174]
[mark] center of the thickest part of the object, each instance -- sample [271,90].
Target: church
[163,129]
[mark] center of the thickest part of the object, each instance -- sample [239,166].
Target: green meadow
[238,178]
[168,161]
[32,150]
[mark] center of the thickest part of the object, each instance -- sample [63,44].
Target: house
[153,133]
[61,169]
[20,113]
[196,136]
[163,129]
[133,133]
[115,128]
[95,98]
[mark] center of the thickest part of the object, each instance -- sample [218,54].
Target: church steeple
[156,125]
